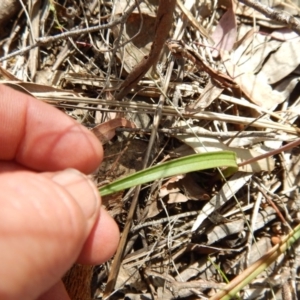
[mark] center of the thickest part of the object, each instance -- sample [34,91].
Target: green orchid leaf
[195,162]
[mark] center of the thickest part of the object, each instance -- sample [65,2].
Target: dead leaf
[39,90]
[237,181]
[177,197]
[284,34]
[107,130]
[171,183]
[223,230]
[253,52]
[210,93]
[154,209]
[8,75]
[191,186]
[254,87]
[225,33]
[209,144]
[287,85]
[140,45]
[8,9]
[182,188]
[286,59]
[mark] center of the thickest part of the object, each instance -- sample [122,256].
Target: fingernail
[81,189]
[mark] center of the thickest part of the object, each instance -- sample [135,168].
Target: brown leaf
[177,197]
[35,89]
[163,25]
[225,33]
[254,87]
[192,188]
[208,95]
[187,183]
[107,130]
[171,188]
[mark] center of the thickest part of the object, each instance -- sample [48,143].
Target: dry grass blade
[249,274]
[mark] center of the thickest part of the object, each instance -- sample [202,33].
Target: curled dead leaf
[107,130]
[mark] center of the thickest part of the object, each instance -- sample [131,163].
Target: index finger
[43,138]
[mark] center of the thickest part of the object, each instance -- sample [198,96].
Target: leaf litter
[193,232]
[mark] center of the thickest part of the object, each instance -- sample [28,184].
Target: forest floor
[159,80]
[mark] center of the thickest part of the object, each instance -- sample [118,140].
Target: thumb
[44,224]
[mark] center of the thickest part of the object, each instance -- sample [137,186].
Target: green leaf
[174,167]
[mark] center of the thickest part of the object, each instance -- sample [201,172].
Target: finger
[102,241]
[105,229]
[44,224]
[41,137]
[8,166]
[57,292]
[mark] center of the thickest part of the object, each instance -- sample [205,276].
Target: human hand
[49,218]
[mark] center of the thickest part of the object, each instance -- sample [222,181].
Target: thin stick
[44,40]
[273,152]
[271,13]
